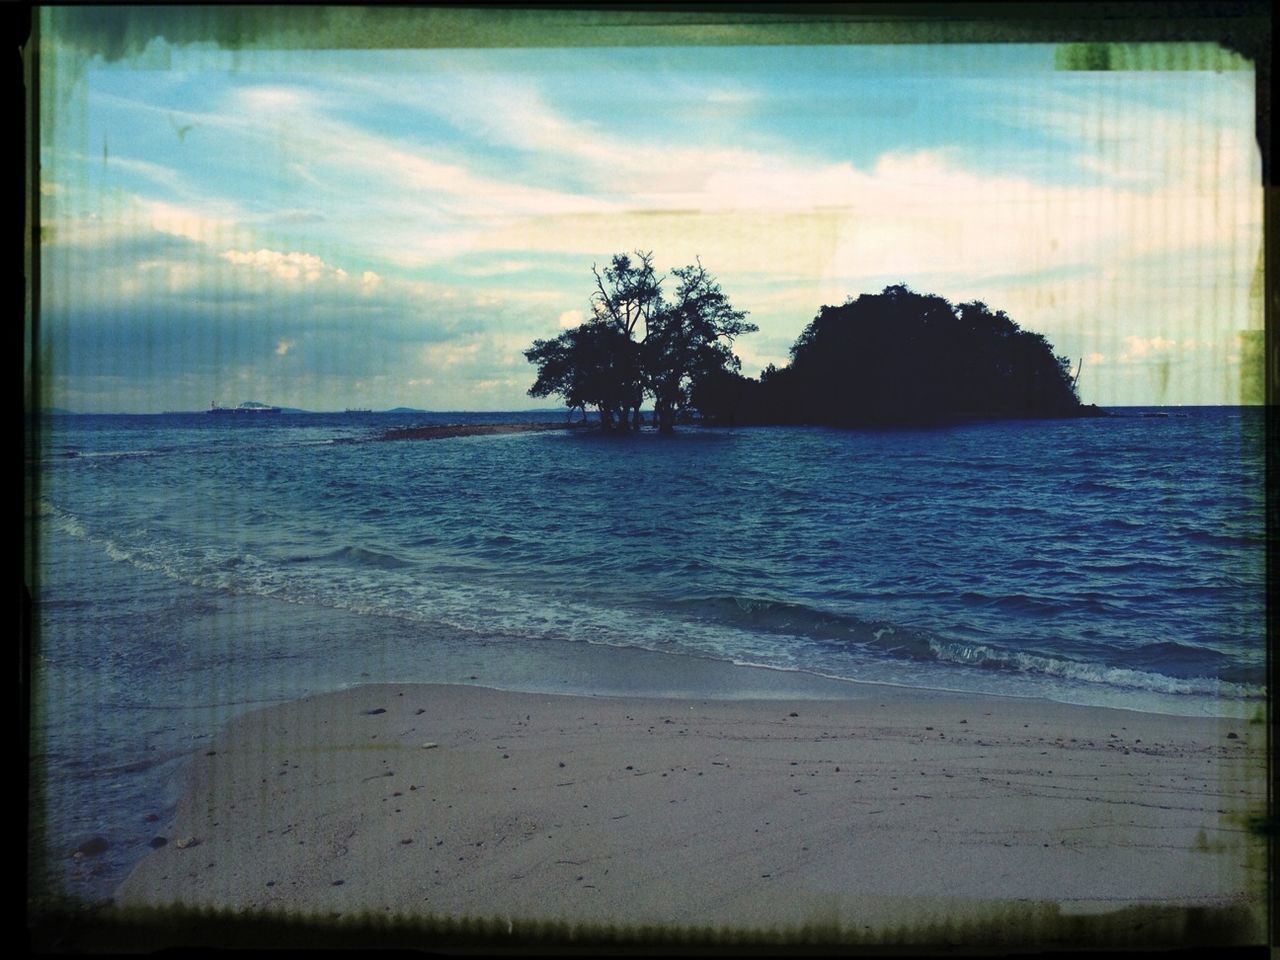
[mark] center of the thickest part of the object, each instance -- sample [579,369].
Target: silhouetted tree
[896,357]
[582,366]
[689,341]
[902,357]
[626,299]
[638,344]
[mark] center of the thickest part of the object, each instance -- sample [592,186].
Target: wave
[60,519]
[758,629]
[984,656]
[1227,540]
[113,454]
[1098,486]
[356,557]
[1032,604]
[775,616]
[1163,667]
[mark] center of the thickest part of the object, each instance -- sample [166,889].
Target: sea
[185,568]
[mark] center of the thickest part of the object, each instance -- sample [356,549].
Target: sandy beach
[895,807]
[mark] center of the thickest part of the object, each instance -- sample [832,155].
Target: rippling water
[1116,562]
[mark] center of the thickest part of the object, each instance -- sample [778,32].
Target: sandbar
[446,431]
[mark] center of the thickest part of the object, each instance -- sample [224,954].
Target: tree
[689,341]
[904,357]
[900,357]
[627,297]
[581,365]
[636,344]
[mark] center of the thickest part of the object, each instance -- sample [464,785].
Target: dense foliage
[896,357]
[638,344]
[901,357]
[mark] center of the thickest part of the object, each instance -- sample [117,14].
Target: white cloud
[306,267]
[157,173]
[185,222]
[416,179]
[1139,349]
[496,268]
[273,98]
[1192,132]
[173,276]
[439,356]
[784,229]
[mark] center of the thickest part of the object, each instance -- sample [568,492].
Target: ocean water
[191,567]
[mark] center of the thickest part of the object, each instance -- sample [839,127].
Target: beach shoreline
[891,807]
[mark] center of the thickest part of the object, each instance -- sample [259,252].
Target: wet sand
[899,806]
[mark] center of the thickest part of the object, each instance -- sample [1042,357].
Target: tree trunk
[664,411]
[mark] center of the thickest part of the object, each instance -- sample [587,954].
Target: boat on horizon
[249,406]
[358,410]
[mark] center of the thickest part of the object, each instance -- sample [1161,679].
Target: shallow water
[190,567]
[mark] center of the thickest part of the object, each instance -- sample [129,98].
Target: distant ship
[249,406]
[358,410]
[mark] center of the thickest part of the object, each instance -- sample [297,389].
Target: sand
[896,806]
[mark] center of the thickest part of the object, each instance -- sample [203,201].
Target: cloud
[414,176]
[1140,349]
[496,268]
[409,222]
[184,222]
[157,173]
[440,356]
[1189,132]
[288,267]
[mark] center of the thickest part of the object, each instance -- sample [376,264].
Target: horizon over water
[191,567]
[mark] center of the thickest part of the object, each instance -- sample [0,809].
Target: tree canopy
[900,357]
[891,358]
[637,344]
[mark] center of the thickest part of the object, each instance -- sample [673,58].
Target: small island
[896,358]
[901,358]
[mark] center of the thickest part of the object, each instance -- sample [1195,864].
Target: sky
[373,228]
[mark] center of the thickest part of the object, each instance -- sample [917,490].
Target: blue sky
[330,229]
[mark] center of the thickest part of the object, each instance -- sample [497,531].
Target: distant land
[62,411]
